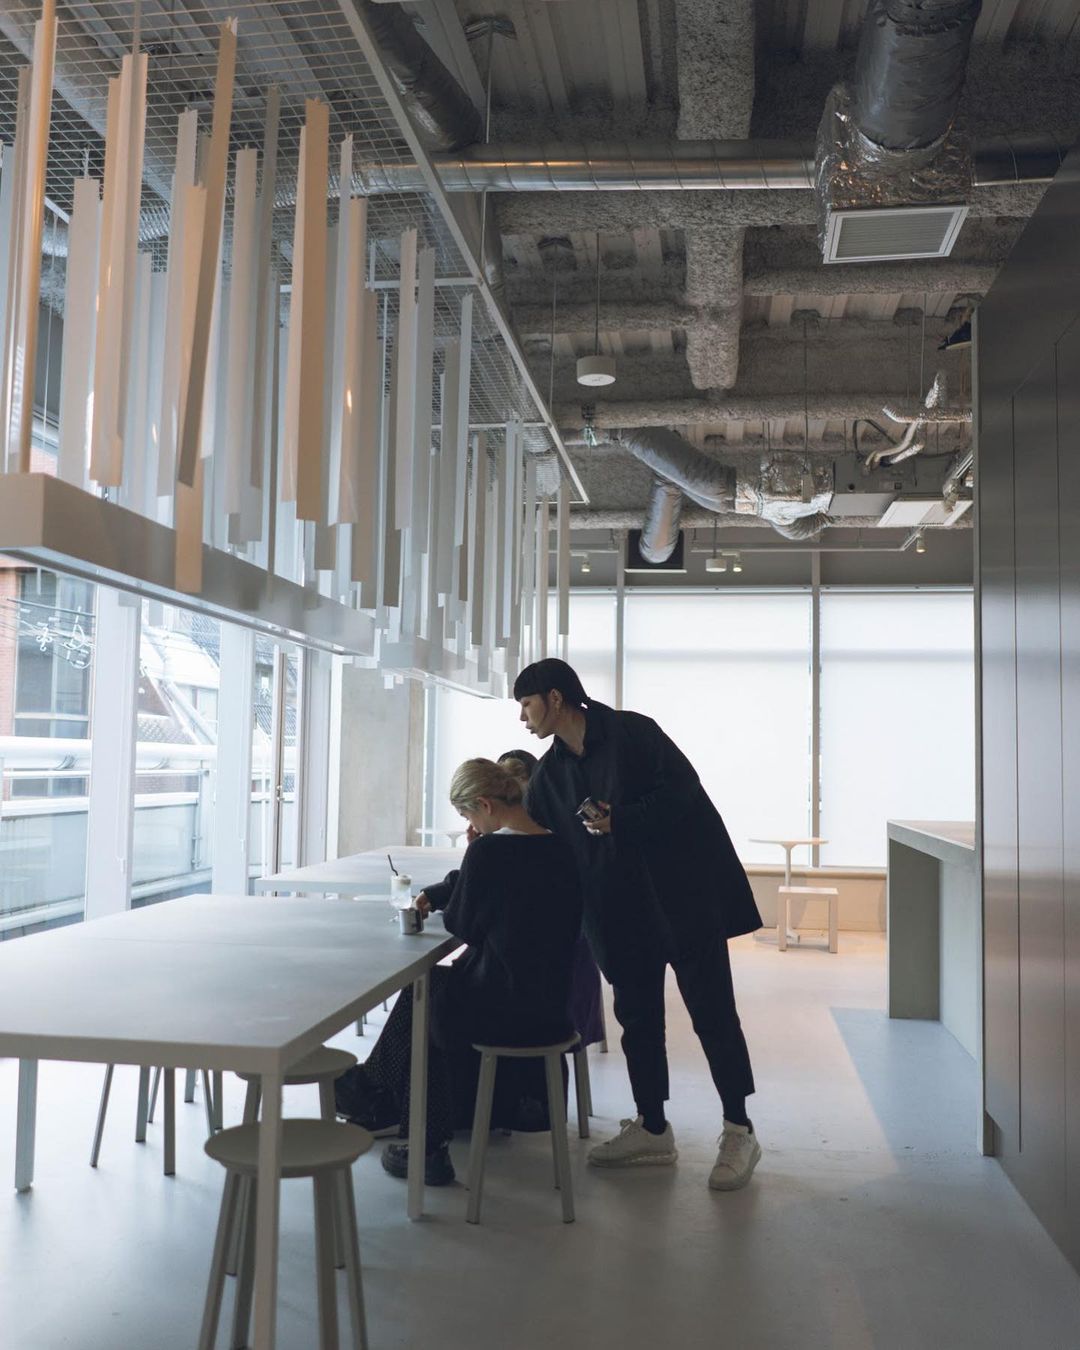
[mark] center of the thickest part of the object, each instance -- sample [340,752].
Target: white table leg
[418,1097]
[25,1124]
[266,1213]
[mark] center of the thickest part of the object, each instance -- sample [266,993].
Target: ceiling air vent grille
[899,232]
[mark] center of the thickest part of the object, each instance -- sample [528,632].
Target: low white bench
[786,893]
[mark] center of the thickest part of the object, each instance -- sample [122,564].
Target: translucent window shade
[591,649]
[727,677]
[897,717]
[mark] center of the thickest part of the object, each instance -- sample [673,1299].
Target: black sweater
[516,902]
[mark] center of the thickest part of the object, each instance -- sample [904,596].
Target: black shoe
[367,1105]
[438,1165]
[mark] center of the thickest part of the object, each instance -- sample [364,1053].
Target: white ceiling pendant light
[596,371]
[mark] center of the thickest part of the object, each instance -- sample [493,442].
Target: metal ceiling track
[430,183]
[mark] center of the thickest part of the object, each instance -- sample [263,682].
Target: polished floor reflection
[871,1222]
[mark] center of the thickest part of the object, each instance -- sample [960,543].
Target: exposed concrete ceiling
[724,322]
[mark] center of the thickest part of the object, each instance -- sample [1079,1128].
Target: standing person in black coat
[662,886]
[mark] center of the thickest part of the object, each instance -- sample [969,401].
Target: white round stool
[325,1151]
[485,1093]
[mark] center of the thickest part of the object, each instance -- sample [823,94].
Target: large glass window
[176,752]
[591,648]
[897,716]
[274,817]
[727,677]
[46,654]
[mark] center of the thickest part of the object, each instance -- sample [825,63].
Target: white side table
[787,845]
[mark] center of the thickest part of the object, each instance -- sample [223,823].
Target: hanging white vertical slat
[213,180]
[433,617]
[326,535]
[543,564]
[464,557]
[117,269]
[481,567]
[349,393]
[405,384]
[450,451]
[265,305]
[425,350]
[344,307]
[505,564]
[528,563]
[8,236]
[137,490]
[365,477]
[310,473]
[80,312]
[516,574]
[173,359]
[188,498]
[464,388]
[239,392]
[491,616]
[392,548]
[159,284]
[32,209]
[290,432]
[562,565]
[130,206]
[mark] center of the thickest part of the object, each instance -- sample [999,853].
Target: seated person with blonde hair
[516,903]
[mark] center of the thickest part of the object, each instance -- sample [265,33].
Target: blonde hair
[478,778]
[516,770]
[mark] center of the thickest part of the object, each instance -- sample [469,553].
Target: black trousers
[703,971]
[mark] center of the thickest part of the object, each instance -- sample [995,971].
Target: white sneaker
[635,1146]
[738,1156]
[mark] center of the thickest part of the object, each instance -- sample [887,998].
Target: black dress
[517,905]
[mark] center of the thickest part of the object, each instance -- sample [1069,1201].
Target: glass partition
[897,716]
[46,654]
[727,677]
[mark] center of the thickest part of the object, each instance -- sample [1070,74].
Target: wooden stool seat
[324,1151]
[485,1093]
[323,1062]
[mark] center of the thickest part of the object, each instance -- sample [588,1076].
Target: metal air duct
[705,166]
[443,113]
[660,529]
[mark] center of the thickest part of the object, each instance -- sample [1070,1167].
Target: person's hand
[423,904]
[603,825]
[471,834]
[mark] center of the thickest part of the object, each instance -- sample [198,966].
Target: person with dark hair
[509,758]
[662,886]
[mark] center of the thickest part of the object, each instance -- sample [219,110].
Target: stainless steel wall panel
[1068,416]
[1040,1165]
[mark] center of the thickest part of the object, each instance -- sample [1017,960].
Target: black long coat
[668,873]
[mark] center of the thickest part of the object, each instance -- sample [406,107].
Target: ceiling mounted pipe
[660,528]
[707,166]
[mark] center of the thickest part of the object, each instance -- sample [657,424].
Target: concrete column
[379,760]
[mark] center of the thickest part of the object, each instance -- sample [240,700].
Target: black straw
[392,867]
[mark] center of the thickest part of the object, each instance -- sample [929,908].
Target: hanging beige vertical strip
[103,450]
[490,641]
[338,300]
[171,377]
[236,442]
[80,306]
[361,335]
[405,385]
[517,494]
[562,561]
[464,550]
[30,234]
[189,532]
[15,174]
[310,472]
[188,499]
[481,567]
[213,180]
[366,475]
[543,565]
[127,221]
[267,290]
[433,617]
[503,536]
[8,237]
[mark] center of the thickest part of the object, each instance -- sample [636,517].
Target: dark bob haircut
[544,676]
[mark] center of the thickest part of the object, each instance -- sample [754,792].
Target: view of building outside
[47,632]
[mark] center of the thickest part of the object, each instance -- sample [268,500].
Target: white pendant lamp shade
[595,371]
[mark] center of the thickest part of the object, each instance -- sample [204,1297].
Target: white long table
[365,873]
[216,982]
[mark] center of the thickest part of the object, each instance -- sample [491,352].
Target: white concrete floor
[871,1222]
